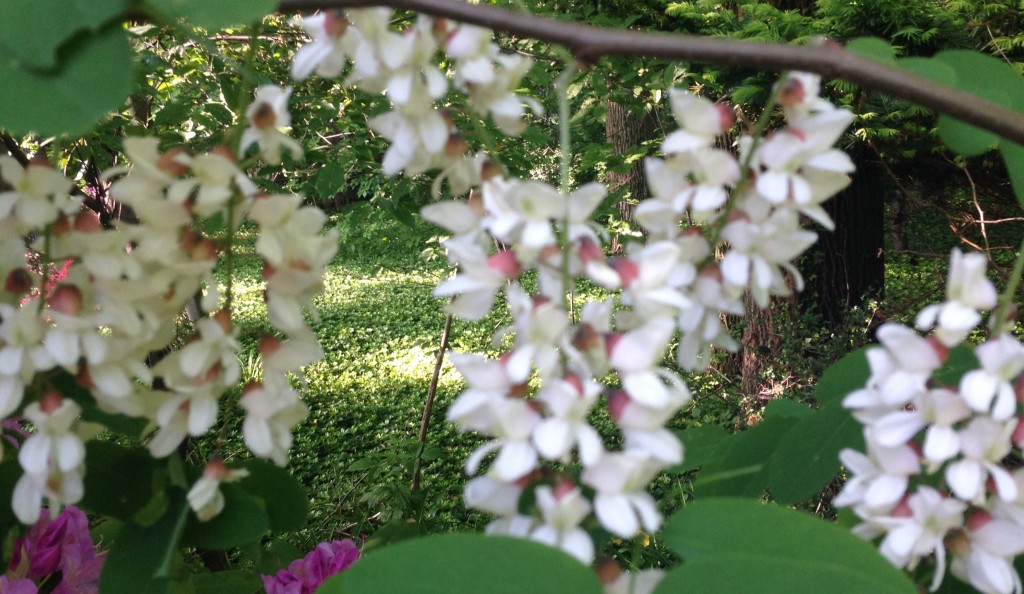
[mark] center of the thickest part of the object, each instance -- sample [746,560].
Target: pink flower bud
[88,221]
[590,251]
[505,262]
[618,402]
[627,269]
[66,299]
[215,469]
[51,401]
[978,519]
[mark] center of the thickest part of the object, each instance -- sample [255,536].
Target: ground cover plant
[583,411]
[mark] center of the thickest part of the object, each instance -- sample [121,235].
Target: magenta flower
[63,544]
[304,576]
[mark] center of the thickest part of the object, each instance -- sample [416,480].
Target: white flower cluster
[117,299]
[934,479]
[673,284]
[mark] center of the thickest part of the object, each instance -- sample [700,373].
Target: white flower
[621,504]
[984,443]
[53,458]
[273,409]
[1002,361]
[40,194]
[205,497]
[268,115]
[563,507]
[877,481]
[701,121]
[985,560]
[328,53]
[968,291]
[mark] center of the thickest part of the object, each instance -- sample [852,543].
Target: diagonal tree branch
[589,43]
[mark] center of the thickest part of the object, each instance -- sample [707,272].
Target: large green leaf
[282,496]
[700,444]
[808,455]
[1013,156]
[741,545]
[140,559]
[213,14]
[93,77]
[465,564]
[32,30]
[740,466]
[242,520]
[873,48]
[107,490]
[964,138]
[844,376]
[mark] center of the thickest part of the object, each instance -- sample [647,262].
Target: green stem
[1001,321]
[565,163]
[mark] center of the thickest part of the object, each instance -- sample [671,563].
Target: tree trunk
[626,131]
[848,265]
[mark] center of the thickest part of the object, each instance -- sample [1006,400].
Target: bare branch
[589,43]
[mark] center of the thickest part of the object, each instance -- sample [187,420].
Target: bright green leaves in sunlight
[974,72]
[213,14]
[740,545]
[465,564]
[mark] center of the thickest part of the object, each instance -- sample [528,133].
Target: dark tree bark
[626,131]
[847,266]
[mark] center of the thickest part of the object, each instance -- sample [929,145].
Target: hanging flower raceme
[922,433]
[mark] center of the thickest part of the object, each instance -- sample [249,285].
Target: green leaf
[93,78]
[213,14]
[700,444]
[844,376]
[276,556]
[961,360]
[964,138]
[107,492]
[740,545]
[392,532]
[242,520]
[740,467]
[465,564]
[141,557]
[933,70]
[10,472]
[873,48]
[786,409]
[234,581]
[32,30]
[283,497]
[330,180]
[1013,156]
[808,455]
[984,76]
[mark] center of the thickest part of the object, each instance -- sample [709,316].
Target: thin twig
[428,407]
[588,43]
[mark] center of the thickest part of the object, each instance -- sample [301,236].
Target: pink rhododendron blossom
[304,576]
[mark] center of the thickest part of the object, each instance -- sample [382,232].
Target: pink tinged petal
[515,460]
[965,478]
[616,514]
[1002,538]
